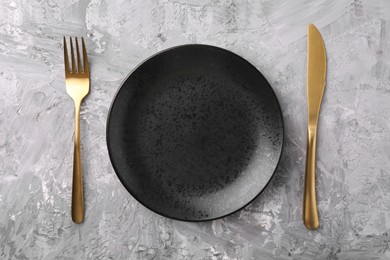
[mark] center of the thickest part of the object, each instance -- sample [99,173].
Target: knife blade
[316,75]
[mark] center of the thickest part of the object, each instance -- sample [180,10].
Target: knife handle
[310,212]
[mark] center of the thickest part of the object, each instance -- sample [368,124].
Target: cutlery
[77,87]
[316,74]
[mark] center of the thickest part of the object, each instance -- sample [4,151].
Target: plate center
[197,134]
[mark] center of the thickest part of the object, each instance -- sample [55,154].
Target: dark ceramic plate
[195,133]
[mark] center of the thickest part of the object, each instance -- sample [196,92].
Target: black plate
[195,133]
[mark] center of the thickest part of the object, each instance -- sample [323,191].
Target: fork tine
[79,68]
[66,58]
[72,56]
[85,57]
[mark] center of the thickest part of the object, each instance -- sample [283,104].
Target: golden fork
[77,87]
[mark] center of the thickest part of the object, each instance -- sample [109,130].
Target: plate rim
[109,117]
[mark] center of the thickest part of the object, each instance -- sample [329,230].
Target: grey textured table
[36,129]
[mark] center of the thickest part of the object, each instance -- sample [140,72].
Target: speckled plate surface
[195,133]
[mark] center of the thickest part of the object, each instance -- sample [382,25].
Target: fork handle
[77,187]
[310,212]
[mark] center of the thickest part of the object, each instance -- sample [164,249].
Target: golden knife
[316,74]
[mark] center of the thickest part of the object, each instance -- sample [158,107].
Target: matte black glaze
[195,133]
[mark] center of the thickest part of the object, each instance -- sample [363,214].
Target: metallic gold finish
[77,87]
[316,74]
